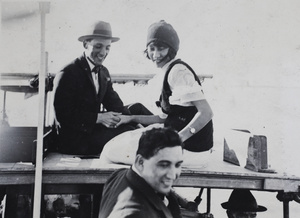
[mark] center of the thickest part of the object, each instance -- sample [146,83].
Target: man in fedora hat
[82,88]
[242,204]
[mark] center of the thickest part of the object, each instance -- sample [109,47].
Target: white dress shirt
[94,76]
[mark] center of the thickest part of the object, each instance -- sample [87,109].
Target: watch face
[192,130]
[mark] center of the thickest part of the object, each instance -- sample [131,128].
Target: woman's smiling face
[158,54]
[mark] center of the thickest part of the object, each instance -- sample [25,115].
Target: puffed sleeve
[184,87]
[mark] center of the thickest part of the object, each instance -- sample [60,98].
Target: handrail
[116,78]
[144,78]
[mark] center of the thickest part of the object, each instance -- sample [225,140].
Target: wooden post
[285,197]
[286,210]
[44,8]
[208,201]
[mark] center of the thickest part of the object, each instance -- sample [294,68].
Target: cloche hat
[242,200]
[163,32]
[100,30]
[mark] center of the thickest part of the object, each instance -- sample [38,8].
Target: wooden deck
[68,174]
[68,169]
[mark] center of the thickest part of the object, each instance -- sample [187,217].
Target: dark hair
[86,41]
[171,53]
[156,139]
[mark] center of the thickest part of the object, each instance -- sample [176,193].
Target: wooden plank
[288,185]
[18,176]
[76,176]
[220,183]
[6,166]
[187,179]
[222,175]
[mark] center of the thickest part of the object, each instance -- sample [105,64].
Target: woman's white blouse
[184,87]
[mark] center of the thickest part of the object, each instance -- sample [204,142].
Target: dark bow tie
[97,69]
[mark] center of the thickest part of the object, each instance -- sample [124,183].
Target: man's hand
[124,119]
[109,119]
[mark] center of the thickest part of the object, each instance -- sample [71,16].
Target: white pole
[44,8]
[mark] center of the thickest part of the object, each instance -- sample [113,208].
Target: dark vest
[180,116]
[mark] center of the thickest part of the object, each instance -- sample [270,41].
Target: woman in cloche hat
[242,204]
[182,99]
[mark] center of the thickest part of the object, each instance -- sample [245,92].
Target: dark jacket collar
[140,184]
[83,63]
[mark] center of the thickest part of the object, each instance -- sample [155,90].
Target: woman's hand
[123,120]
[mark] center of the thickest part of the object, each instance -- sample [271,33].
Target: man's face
[243,214]
[161,170]
[97,50]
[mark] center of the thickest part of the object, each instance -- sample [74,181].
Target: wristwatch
[192,130]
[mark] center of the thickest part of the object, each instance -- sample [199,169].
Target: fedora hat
[100,30]
[242,200]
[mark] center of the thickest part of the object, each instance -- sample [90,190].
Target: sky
[248,41]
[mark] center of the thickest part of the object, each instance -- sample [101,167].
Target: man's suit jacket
[126,194]
[77,104]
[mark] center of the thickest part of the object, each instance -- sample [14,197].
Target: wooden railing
[144,78]
[116,78]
